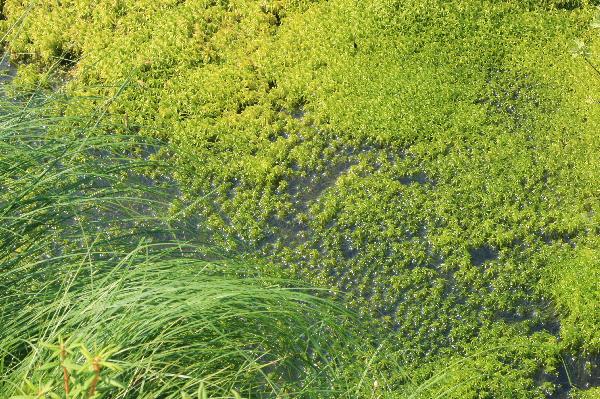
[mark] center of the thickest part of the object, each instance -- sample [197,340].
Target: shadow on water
[576,372]
[483,254]
[7,70]
[417,178]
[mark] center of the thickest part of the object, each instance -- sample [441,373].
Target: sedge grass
[90,251]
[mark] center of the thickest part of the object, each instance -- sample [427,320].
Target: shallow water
[8,71]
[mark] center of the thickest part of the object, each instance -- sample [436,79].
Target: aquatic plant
[431,159]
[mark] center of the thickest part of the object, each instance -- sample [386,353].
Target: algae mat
[437,161]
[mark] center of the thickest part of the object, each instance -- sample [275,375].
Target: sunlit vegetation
[433,164]
[103,296]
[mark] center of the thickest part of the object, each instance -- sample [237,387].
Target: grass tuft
[92,251]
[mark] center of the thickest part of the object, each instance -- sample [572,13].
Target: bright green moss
[575,285]
[496,365]
[430,158]
[593,393]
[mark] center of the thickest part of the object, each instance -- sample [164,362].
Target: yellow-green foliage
[429,157]
[493,368]
[575,285]
[593,393]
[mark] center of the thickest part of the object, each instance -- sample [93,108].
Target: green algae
[430,159]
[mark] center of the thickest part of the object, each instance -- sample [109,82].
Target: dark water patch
[508,97]
[348,249]
[287,231]
[298,113]
[551,326]
[569,5]
[417,178]
[451,288]
[483,254]
[577,371]
[305,190]
[273,137]
[7,70]
[555,237]
[338,272]
[516,316]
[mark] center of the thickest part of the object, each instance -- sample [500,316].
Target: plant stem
[96,368]
[592,66]
[63,355]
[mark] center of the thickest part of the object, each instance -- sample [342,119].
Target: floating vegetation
[434,163]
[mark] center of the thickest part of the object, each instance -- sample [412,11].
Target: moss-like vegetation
[593,393]
[430,158]
[575,285]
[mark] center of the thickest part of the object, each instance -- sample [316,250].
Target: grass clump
[84,256]
[177,325]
